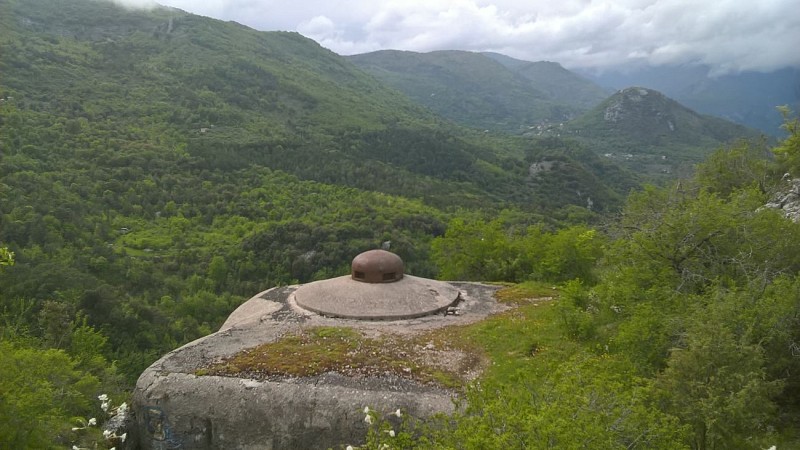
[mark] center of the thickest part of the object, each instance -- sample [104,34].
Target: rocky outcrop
[787,199]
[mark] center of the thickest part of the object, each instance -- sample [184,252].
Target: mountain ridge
[556,81]
[480,91]
[647,131]
[748,98]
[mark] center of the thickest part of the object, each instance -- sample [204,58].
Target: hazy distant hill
[646,130]
[483,90]
[748,98]
[466,87]
[558,83]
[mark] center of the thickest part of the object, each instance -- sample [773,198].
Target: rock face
[788,200]
[177,407]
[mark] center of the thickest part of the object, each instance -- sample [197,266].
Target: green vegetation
[488,251]
[468,88]
[157,168]
[557,83]
[483,90]
[314,351]
[636,128]
[545,391]
[645,131]
[684,336]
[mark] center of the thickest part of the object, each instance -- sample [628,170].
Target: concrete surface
[407,298]
[175,408]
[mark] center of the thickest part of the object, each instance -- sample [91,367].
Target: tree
[718,385]
[788,151]
[584,402]
[6,257]
[218,271]
[742,165]
[475,250]
[42,391]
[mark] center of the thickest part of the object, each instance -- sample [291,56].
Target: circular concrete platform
[407,298]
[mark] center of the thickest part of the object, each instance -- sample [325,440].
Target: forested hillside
[158,168]
[484,91]
[749,98]
[677,328]
[556,82]
[652,134]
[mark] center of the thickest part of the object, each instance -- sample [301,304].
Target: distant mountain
[645,130]
[231,97]
[558,83]
[486,91]
[157,167]
[748,98]
[123,89]
[465,87]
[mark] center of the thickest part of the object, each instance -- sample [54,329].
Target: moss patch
[448,356]
[527,292]
[436,357]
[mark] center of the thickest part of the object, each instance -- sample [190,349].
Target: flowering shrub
[393,430]
[90,430]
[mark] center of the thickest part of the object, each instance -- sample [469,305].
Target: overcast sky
[729,35]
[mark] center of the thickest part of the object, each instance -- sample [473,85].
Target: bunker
[179,403]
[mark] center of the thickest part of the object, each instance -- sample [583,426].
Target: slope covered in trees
[484,91]
[157,168]
[556,82]
[678,328]
[652,134]
[748,98]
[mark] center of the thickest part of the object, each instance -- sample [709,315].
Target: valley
[158,168]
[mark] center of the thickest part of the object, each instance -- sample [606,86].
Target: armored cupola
[377,266]
[376,289]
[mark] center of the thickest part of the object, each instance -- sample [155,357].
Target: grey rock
[787,199]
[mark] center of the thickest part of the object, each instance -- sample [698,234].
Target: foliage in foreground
[686,337]
[700,292]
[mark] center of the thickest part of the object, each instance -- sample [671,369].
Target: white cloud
[727,34]
[137,4]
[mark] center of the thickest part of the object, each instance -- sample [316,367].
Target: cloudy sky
[729,35]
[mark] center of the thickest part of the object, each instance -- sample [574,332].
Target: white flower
[772,448]
[366,410]
[104,406]
[75,447]
[391,433]
[349,447]
[124,435]
[398,413]
[107,434]
[368,419]
[76,428]
[385,447]
[92,422]
[122,409]
[113,448]
[102,397]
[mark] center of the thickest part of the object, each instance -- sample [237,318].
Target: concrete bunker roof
[377,289]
